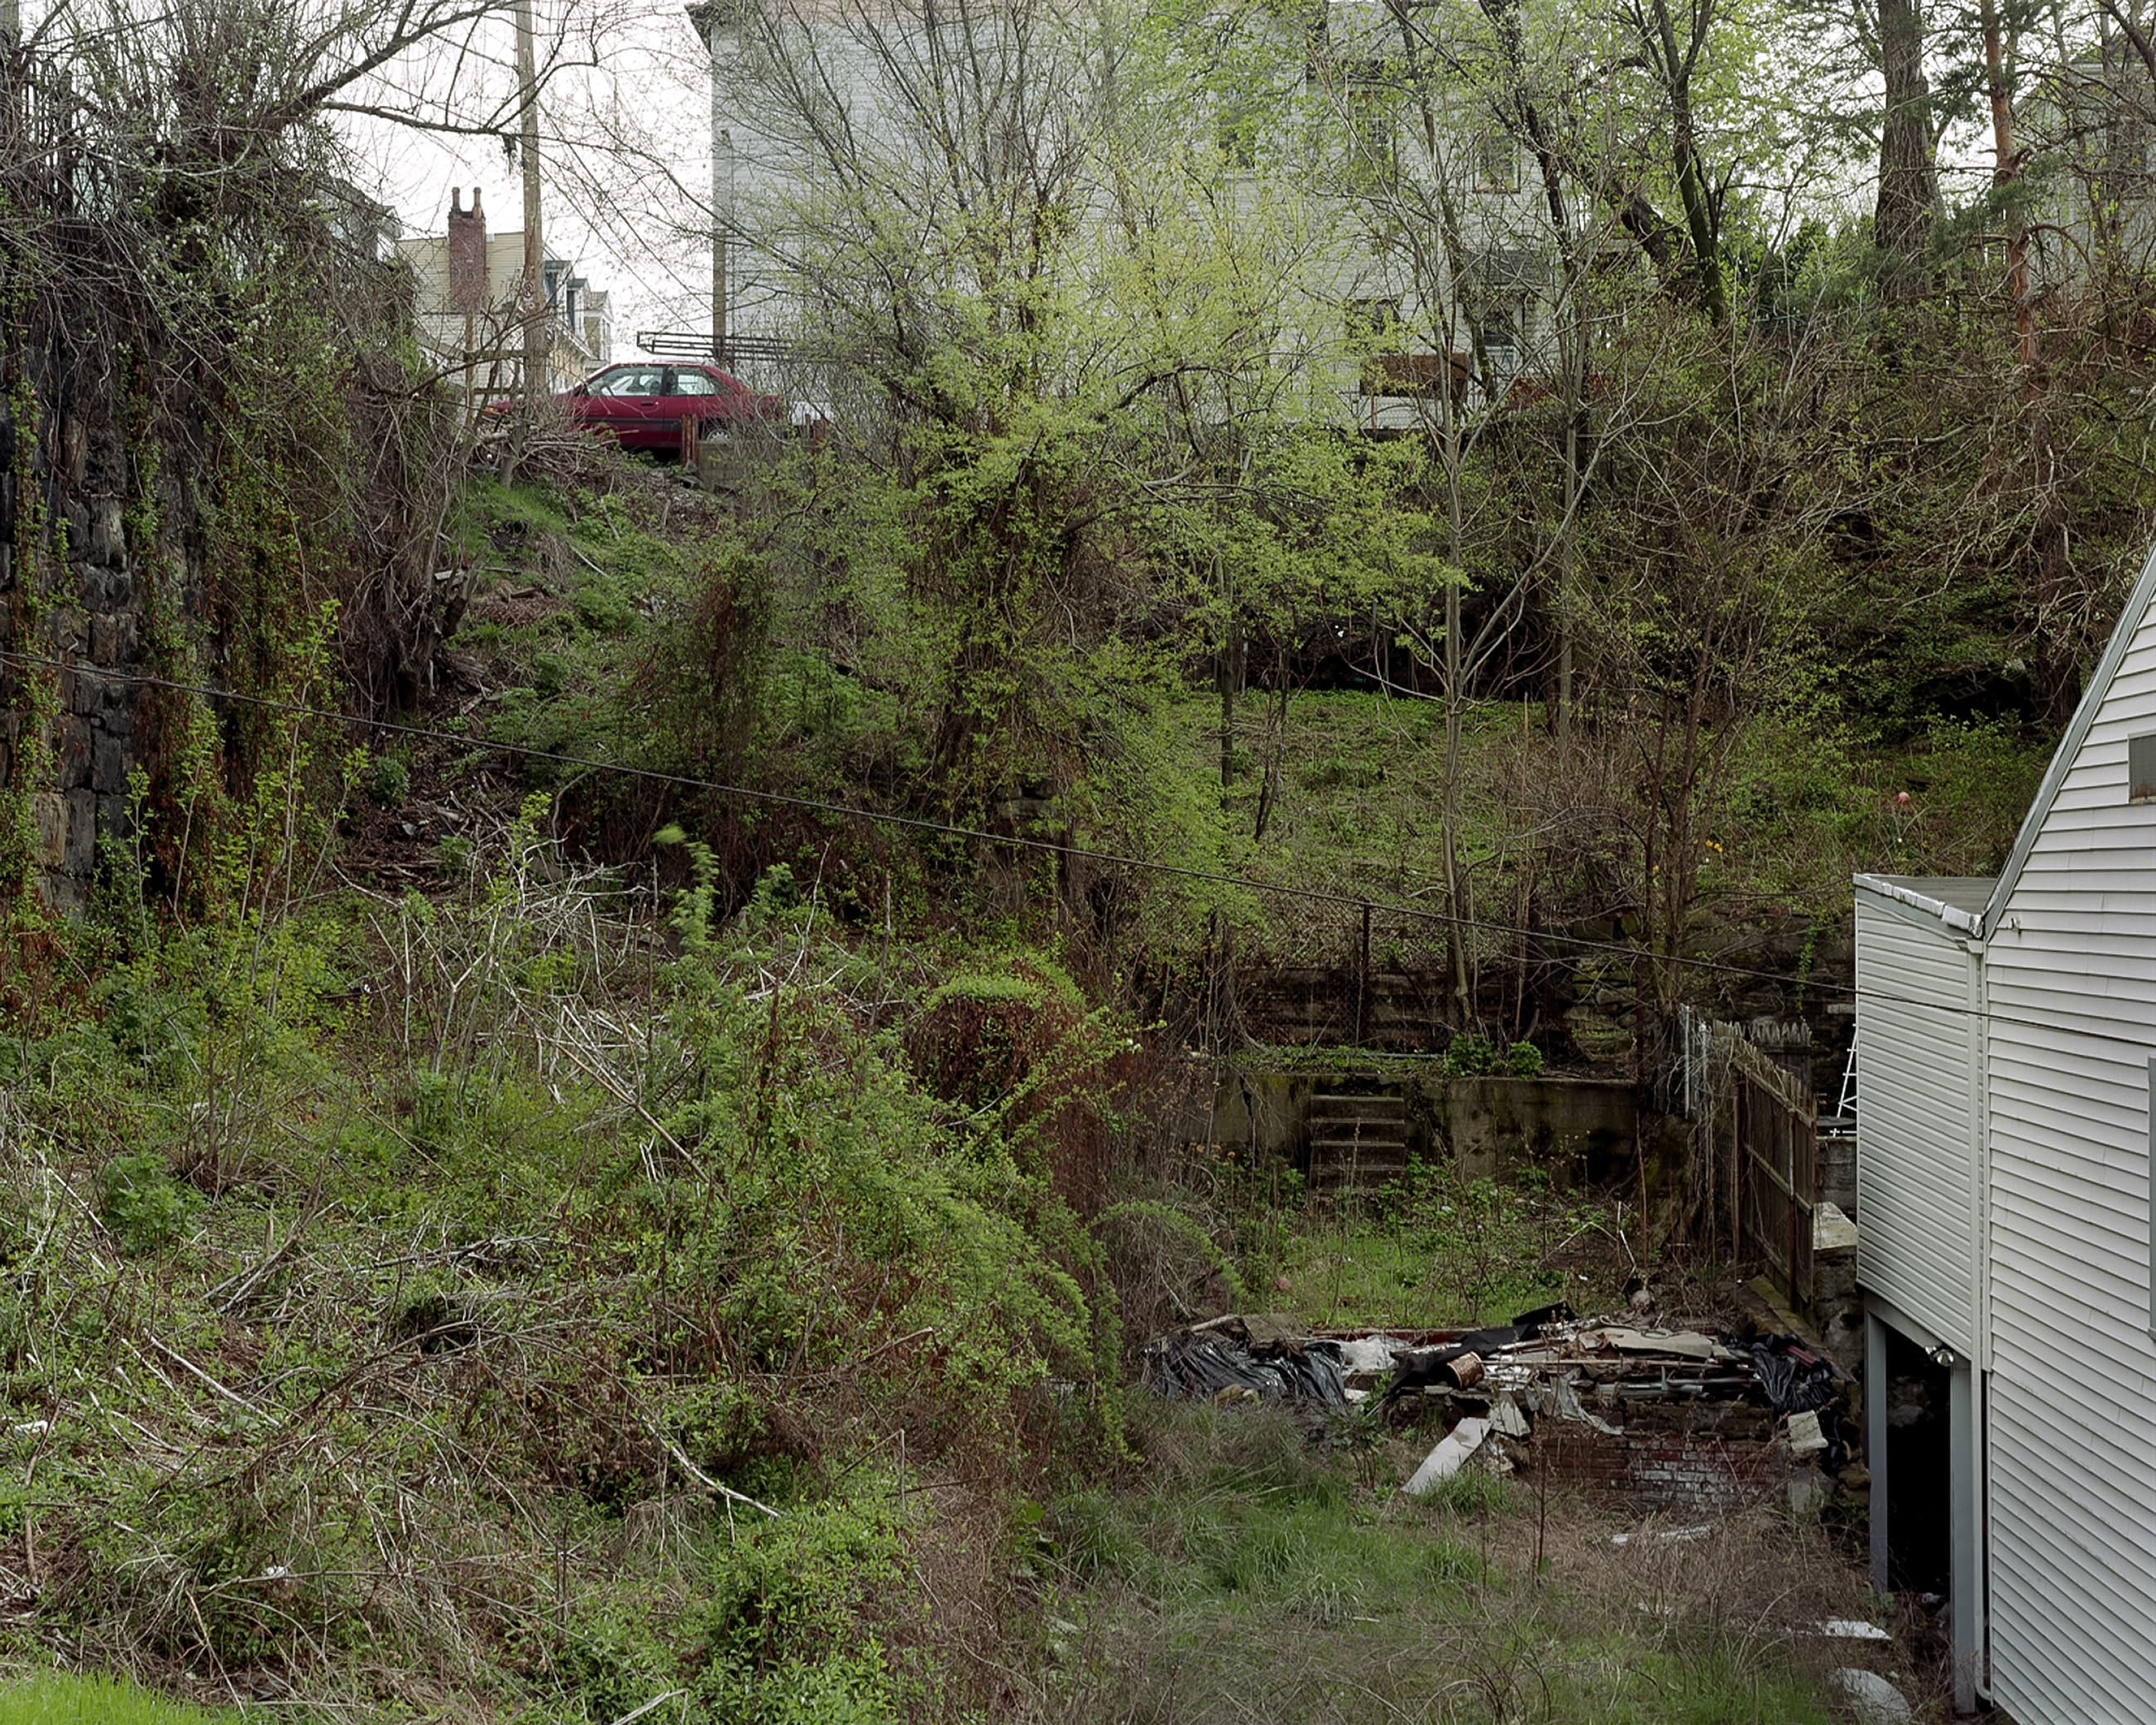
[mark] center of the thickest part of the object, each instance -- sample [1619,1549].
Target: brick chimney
[467,252]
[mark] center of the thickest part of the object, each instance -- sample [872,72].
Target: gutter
[1970,923]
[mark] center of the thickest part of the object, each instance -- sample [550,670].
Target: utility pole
[533,295]
[711,18]
[722,200]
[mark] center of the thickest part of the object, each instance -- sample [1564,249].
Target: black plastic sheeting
[1797,1381]
[1201,1367]
[1195,1366]
[1793,1380]
[1414,1367]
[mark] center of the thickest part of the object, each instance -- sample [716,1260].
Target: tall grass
[470,1297]
[55,1698]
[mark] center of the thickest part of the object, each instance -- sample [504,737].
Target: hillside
[1183,848]
[472,1277]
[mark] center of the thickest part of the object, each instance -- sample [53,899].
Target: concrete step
[1358,1141]
[1362,1179]
[1370,1143]
[1369,1152]
[1369,1162]
[1391,1107]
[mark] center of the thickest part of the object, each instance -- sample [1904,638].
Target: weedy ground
[1436,1248]
[1246,1575]
[498,1306]
[495,1307]
[502,1303]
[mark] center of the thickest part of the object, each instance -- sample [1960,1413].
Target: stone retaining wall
[89,610]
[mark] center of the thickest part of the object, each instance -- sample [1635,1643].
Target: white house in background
[1494,322]
[467,284]
[2100,211]
[2006,1057]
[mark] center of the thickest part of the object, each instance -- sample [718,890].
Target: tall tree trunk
[1455,709]
[2058,672]
[2005,171]
[1231,680]
[1449,443]
[1703,216]
[1908,180]
[1524,114]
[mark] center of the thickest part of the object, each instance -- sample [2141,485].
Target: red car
[642,404]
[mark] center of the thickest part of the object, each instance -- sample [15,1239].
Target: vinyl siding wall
[2070,978]
[1917,1110]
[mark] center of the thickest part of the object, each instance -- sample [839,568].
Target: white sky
[624,118]
[625,153]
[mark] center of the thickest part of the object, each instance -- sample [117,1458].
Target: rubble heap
[1687,1417]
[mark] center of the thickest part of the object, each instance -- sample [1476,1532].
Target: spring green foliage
[56,1700]
[1471,1055]
[1092,530]
[590,559]
[384,1299]
[265,475]
[529,1298]
[1474,1250]
[140,1203]
[727,669]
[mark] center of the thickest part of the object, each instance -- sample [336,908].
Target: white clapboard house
[2006,1056]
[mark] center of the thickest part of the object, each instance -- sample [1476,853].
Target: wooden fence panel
[1775,1170]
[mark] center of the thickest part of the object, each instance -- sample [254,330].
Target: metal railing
[694,344]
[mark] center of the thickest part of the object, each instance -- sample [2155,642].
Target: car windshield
[628,380]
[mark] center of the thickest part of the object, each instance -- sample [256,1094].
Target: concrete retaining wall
[1581,1130]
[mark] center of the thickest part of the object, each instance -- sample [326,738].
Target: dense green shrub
[140,1202]
[1470,1055]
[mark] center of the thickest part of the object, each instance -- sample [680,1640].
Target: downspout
[1979,1063]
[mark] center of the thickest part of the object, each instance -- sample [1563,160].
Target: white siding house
[2006,1051]
[1918,1043]
[1400,342]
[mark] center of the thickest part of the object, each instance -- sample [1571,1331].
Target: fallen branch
[197,1372]
[656,1701]
[706,1480]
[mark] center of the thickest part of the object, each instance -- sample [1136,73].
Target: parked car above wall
[641,404]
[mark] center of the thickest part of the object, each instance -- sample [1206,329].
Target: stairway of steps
[1357,1142]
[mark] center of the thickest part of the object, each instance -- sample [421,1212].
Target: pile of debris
[1690,1417]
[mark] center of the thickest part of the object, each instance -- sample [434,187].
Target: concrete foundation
[1580,1131]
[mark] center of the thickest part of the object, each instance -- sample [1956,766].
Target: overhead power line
[916,823]
[923,823]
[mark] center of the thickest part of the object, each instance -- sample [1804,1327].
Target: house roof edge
[2092,699]
[1970,923]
